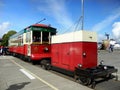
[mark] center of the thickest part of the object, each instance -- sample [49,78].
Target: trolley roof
[41,27]
[36,27]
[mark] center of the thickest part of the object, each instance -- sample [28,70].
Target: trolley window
[36,36]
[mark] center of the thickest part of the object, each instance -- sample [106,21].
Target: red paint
[40,56]
[91,55]
[39,25]
[17,49]
[69,55]
[38,51]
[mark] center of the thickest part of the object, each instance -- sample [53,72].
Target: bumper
[104,71]
[97,72]
[89,76]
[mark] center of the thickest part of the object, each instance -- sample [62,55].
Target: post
[49,37]
[40,21]
[41,38]
[82,14]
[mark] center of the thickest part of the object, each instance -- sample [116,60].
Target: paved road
[16,74]
[112,59]
[13,77]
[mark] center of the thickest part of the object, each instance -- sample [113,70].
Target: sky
[100,16]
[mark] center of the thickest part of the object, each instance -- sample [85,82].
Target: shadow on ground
[18,86]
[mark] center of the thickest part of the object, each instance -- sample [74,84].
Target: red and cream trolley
[73,53]
[32,43]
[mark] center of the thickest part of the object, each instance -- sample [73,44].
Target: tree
[6,37]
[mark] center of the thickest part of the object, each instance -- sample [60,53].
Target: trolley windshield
[41,35]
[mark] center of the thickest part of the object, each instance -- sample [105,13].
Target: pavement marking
[27,74]
[50,85]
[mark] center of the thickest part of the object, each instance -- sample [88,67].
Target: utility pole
[82,14]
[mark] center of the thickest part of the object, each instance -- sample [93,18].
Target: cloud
[107,21]
[116,30]
[4,28]
[57,10]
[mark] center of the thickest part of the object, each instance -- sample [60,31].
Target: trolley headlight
[84,54]
[46,49]
[105,67]
[79,65]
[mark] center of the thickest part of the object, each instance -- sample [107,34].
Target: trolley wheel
[93,85]
[116,78]
[109,76]
[43,66]
[29,60]
[48,66]
[76,78]
[33,62]
[85,80]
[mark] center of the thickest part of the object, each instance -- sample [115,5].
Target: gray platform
[11,78]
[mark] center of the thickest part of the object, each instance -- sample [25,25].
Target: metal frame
[88,76]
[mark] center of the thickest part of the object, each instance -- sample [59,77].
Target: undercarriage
[90,76]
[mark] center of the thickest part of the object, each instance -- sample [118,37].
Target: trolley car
[32,43]
[76,53]
[73,53]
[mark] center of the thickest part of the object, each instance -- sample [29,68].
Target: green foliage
[5,37]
